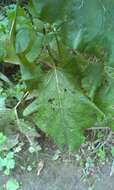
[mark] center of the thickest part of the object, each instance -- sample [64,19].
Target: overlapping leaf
[61,110]
[80,20]
[93,77]
[105,97]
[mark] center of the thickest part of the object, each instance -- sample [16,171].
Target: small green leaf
[29,168]
[7,163]
[2,139]
[12,184]
[101,154]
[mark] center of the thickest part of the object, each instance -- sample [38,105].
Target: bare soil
[61,175]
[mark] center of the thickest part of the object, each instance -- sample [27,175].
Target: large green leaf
[61,111]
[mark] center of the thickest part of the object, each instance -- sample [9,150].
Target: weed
[12,184]
[7,163]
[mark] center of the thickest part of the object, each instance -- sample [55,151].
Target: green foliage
[7,163]
[65,53]
[12,184]
[2,139]
[101,154]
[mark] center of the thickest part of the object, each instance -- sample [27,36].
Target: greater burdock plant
[65,50]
